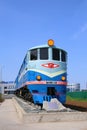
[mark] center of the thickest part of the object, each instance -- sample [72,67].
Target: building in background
[7,87]
[73,87]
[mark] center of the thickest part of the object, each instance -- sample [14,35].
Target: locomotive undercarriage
[25,94]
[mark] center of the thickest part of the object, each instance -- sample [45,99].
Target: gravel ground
[77,103]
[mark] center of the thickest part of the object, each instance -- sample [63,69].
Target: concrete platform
[35,116]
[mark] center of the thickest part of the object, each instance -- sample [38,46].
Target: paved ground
[9,120]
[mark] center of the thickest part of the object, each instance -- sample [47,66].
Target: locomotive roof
[43,46]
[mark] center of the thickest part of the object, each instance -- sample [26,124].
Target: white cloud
[82,30]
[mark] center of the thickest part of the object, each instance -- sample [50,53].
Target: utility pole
[0,73]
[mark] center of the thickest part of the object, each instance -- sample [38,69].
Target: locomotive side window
[33,54]
[63,56]
[56,54]
[43,53]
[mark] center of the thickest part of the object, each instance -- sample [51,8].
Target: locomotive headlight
[63,78]
[38,77]
[50,42]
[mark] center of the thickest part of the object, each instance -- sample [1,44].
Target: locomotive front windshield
[33,54]
[44,54]
[41,54]
[58,55]
[63,56]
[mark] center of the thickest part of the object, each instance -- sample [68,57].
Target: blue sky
[28,23]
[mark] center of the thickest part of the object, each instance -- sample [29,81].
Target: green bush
[82,96]
[1,98]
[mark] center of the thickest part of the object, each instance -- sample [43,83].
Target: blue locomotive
[43,74]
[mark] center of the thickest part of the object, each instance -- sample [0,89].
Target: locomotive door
[51,91]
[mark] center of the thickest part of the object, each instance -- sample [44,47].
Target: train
[43,74]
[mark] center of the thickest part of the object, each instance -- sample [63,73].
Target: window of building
[56,54]
[5,87]
[5,92]
[44,53]
[33,54]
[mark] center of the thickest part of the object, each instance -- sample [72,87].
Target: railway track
[39,108]
[74,107]
[71,106]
